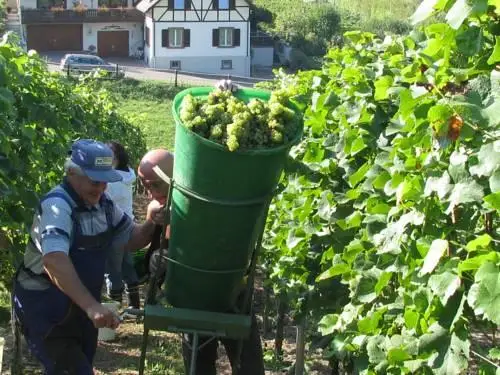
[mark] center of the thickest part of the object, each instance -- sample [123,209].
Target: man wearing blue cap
[57,289]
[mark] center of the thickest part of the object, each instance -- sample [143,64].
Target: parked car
[86,63]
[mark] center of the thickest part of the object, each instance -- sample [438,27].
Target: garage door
[55,37]
[112,43]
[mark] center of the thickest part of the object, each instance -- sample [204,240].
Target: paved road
[136,69]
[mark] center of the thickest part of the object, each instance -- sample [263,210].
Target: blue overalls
[58,332]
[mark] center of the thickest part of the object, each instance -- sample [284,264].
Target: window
[226,37]
[226,64]
[175,38]
[175,64]
[146,37]
[179,4]
[224,4]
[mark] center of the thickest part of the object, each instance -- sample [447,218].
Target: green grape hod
[230,152]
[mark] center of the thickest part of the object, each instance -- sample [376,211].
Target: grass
[399,10]
[147,104]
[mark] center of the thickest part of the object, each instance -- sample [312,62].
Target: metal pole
[194,354]
[300,347]
[176,72]
[144,347]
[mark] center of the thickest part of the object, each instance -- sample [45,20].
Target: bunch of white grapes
[227,120]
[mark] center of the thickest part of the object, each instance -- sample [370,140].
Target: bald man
[252,362]
[157,191]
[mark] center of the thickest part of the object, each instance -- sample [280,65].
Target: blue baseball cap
[96,160]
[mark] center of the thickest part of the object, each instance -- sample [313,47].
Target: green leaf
[397,355]
[458,13]
[424,10]
[484,295]
[495,55]
[327,324]
[357,146]
[382,86]
[383,281]
[359,175]
[479,242]
[369,324]
[457,168]
[494,354]
[411,318]
[472,264]
[376,349]
[492,201]
[469,42]
[436,251]
[389,239]
[444,285]
[495,182]
[456,358]
[465,192]
[440,185]
[335,270]
[488,160]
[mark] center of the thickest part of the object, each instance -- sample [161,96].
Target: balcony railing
[30,16]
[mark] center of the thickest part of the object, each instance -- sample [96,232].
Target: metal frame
[246,304]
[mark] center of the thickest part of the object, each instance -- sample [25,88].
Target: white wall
[135,33]
[262,56]
[207,64]
[201,40]
[148,51]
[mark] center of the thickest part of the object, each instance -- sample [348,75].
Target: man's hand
[102,317]
[156,212]
[226,84]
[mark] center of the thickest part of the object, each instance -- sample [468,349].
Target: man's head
[89,169]
[157,188]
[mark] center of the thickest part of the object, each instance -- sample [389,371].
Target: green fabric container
[218,209]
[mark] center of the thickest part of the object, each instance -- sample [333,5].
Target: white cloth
[121,192]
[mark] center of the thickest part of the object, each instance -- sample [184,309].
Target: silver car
[81,63]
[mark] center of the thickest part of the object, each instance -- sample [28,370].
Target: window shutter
[236,37]
[215,4]
[187,4]
[164,38]
[170,4]
[232,4]
[187,37]
[215,37]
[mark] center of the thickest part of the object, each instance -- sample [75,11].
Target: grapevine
[385,232]
[229,121]
[41,115]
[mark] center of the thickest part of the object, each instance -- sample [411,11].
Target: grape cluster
[227,120]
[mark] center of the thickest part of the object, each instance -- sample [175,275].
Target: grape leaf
[458,13]
[438,247]
[495,55]
[495,182]
[492,201]
[444,285]
[455,360]
[440,185]
[479,242]
[465,192]
[474,263]
[424,10]
[489,160]
[484,295]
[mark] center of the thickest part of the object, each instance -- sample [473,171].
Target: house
[108,27]
[209,36]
